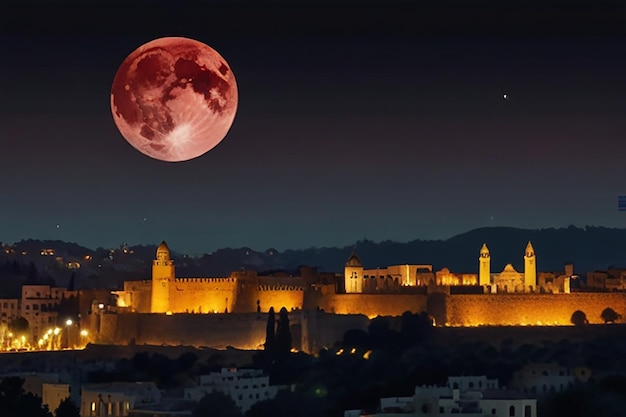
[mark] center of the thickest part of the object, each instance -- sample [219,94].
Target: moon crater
[174,99]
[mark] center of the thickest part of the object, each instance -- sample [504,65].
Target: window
[35,307]
[27,307]
[440,410]
[493,411]
[512,411]
[471,384]
[5,304]
[527,411]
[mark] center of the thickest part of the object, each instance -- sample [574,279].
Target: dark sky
[379,120]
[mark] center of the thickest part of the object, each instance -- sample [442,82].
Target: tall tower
[353,274]
[484,269]
[162,279]
[530,268]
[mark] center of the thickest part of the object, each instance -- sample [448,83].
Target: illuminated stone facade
[457,299]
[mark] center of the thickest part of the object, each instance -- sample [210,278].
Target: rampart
[529,309]
[372,305]
[289,296]
[203,295]
[310,331]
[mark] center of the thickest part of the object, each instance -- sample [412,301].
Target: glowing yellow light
[10,334]
[45,336]
[339,352]
[68,322]
[100,306]
[367,354]
[56,331]
[49,331]
[84,333]
[168,313]
[353,351]
[294,350]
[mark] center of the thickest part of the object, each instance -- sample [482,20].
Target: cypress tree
[283,335]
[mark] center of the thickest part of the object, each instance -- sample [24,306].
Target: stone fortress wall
[530,309]
[310,331]
[324,310]
[203,295]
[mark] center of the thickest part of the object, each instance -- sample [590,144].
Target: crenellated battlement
[206,279]
[280,287]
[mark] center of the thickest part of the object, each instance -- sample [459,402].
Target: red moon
[174,99]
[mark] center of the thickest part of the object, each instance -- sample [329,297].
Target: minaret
[162,279]
[353,274]
[530,268]
[484,269]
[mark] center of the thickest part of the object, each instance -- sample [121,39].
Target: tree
[216,404]
[609,315]
[14,402]
[283,335]
[19,326]
[67,408]
[579,318]
[270,339]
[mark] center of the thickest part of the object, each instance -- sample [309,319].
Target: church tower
[353,274]
[162,279]
[484,269]
[530,268]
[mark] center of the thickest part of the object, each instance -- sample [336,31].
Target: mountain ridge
[588,248]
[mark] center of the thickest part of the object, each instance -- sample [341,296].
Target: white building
[545,378]
[245,386]
[471,396]
[117,398]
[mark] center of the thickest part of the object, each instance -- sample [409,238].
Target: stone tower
[162,279]
[353,274]
[530,268]
[484,269]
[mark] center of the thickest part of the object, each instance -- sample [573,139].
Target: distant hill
[589,248]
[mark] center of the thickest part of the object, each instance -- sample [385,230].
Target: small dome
[354,260]
[163,252]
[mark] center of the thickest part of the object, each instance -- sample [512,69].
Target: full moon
[174,99]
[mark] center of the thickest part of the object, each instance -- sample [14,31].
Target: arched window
[527,411]
[512,411]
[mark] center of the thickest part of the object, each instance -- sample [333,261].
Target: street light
[68,324]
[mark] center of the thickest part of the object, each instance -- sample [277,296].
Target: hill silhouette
[588,248]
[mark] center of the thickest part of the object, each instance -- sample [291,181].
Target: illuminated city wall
[138,295]
[290,297]
[242,331]
[203,295]
[529,309]
[372,305]
[321,330]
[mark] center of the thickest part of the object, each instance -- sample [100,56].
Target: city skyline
[378,121]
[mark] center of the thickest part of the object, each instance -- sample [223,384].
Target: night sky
[379,120]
